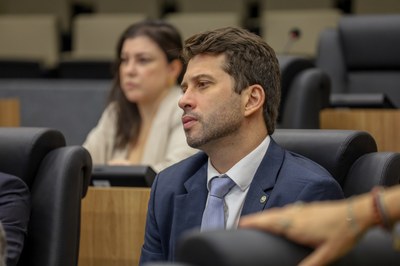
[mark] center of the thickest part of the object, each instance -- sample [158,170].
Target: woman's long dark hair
[169,40]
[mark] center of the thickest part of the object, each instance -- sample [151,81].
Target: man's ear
[254,99]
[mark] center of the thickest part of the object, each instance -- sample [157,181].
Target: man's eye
[202,84]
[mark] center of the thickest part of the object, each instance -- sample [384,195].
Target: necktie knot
[220,186]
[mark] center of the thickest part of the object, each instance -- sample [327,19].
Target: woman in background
[142,122]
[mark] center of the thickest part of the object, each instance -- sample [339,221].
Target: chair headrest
[336,150]
[23,148]
[371,41]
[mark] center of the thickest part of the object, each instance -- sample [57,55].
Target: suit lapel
[188,208]
[264,179]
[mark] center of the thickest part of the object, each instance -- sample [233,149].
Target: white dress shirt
[242,174]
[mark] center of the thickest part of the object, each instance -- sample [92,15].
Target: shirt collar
[242,172]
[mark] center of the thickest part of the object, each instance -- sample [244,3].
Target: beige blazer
[166,143]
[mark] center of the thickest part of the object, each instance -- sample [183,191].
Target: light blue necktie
[214,215]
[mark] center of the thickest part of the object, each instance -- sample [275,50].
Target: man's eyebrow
[203,76]
[200,76]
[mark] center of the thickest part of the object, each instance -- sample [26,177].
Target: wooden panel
[112,226]
[9,112]
[382,124]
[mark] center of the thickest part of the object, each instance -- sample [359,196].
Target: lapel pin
[263,199]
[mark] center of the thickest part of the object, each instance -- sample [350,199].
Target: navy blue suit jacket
[179,195]
[14,214]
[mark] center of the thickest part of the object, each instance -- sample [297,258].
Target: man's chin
[194,143]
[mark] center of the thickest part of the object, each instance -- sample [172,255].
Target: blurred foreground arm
[332,227]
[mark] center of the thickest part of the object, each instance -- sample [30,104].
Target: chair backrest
[307,95]
[290,66]
[238,7]
[336,150]
[149,8]
[58,178]
[30,38]
[373,7]
[296,31]
[189,23]
[361,55]
[23,149]
[95,36]
[298,4]
[59,8]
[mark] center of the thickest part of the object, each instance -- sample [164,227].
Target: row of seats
[156,8]
[31,44]
[95,35]
[35,39]
[63,9]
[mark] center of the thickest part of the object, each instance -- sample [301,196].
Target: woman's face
[144,70]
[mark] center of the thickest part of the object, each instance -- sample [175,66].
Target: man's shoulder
[306,180]
[304,166]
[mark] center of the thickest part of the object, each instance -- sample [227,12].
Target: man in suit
[231,94]
[14,214]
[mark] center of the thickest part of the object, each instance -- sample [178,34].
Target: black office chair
[352,159]
[58,178]
[305,92]
[362,60]
[308,94]
[289,67]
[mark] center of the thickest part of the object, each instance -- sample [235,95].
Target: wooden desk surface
[382,124]
[112,226]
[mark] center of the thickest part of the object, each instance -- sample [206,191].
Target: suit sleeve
[152,247]
[14,214]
